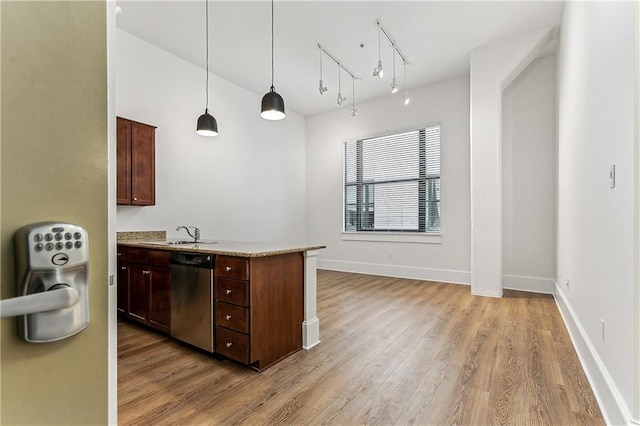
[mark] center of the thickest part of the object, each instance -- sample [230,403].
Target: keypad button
[59,246]
[68,245]
[49,246]
[68,236]
[78,244]
[39,247]
[48,237]
[77,235]
[58,237]
[37,238]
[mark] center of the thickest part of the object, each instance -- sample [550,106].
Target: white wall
[596,223]
[245,184]
[529,178]
[448,103]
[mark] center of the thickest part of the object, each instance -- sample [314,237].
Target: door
[57,169]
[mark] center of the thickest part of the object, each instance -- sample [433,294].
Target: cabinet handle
[227,291]
[229,344]
[146,272]
[123,267]
[228,317]
[228,268]
[135,199]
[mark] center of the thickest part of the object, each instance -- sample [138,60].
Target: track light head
[406,99]
[394,86]
[378,71]
[354,111]
[341,100]
[321,87]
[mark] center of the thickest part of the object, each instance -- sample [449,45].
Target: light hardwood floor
[393,351]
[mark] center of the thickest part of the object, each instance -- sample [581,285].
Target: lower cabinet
[259,308]
[144,286]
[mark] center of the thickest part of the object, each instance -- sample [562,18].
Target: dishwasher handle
[196,260]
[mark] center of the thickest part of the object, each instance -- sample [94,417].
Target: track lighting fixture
[207,124]
[321,87]
[341,98]
[405,97]
[272,102]
[378,71]
[394,86]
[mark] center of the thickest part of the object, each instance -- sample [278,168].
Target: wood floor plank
[393,351]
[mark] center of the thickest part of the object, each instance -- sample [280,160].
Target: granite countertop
[154,239]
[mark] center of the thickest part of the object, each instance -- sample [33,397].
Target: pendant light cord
[207,55]
[272,88]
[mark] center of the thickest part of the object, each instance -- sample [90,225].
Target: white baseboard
[397,271]
[530,284]
[613,407]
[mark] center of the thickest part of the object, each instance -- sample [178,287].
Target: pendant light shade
[272,102]
[207,125]
[272,106]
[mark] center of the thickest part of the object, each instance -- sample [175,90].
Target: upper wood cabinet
[136,163]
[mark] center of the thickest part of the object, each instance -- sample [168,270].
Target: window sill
[394,237]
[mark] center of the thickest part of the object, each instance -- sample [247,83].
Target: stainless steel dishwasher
[192,299]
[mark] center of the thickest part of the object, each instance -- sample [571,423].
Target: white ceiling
[435,36]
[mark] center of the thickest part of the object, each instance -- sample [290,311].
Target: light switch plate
[612,176]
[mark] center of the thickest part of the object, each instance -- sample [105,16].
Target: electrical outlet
[602,330]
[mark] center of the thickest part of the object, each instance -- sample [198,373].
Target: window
[392,183]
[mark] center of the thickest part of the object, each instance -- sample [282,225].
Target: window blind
[392,182]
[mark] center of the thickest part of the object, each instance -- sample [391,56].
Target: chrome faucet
[196,232]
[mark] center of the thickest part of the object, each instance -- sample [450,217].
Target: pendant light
[272,102]
[207,124]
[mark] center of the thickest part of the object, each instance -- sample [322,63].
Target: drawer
[232,316]
[132,254]
[232,267]
[232,344]
[232,291]
[160,258]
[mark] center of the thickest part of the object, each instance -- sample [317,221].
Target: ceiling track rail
[392,41]
[353,76]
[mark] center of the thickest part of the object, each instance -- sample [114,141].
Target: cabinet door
[139,278]
[123,288]
[123,162]
[143,161]
[160,299]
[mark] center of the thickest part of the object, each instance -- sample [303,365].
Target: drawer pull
[123,267]
[228,268]
[228,317]
[227,291]
[146,272]
[229,344]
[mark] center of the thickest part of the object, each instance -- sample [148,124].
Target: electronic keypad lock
[52,261]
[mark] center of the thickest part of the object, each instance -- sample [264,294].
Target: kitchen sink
[181,242]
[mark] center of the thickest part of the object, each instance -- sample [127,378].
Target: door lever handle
[39,302]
